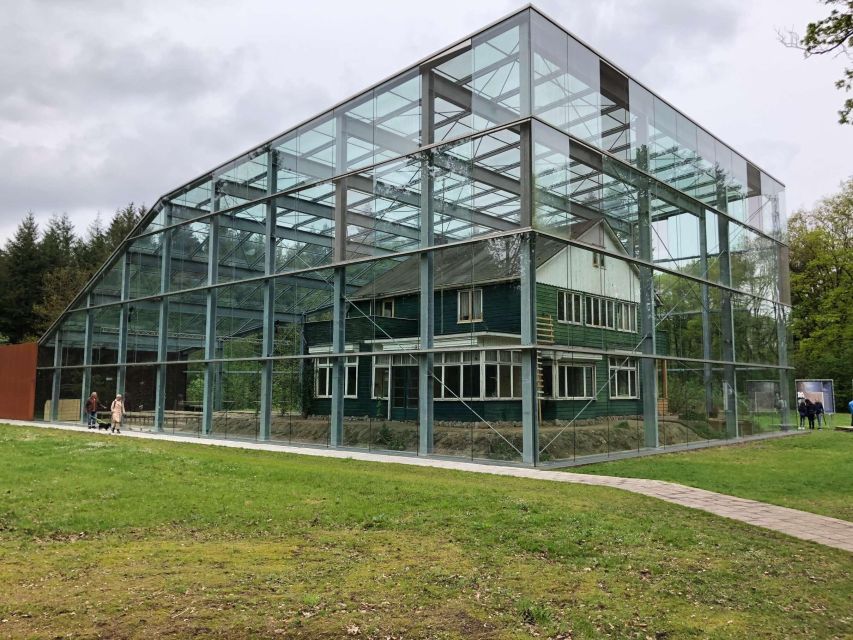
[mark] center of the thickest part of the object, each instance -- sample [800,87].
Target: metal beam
[727,320]
[648,366]
[121,355]
[87,357]
[210,386]
[426,304]
[265,412]
[336,418]
[529,358]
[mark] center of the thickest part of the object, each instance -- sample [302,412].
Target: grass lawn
[105,536]
[812,472]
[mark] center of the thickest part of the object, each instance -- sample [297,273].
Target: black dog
[104,425]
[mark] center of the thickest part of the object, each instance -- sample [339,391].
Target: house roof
[491,260]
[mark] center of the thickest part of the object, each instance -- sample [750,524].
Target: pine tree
[24,267]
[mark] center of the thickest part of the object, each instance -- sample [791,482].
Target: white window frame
[323,365]
[382,361]
[570,305]
[385,308]
[511,360]
[327,365]
[627,366]
[598,260]
[472,296]
[589,383]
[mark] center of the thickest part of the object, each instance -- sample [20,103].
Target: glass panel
[143,326]
[190,248]
[294,417]
[43,395]
[105,334]
[140,394]
[145,264]
[383,309]
[192,202]
[243,180]
[241,248]
[71,334]
[305,228]
[496,73]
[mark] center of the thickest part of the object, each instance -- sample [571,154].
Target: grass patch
[113,537]
[811,472]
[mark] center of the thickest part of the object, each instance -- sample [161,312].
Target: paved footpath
[799,524]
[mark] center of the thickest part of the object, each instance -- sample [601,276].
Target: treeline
[821,241]
[42,270]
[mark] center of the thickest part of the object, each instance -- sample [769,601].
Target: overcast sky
[103,102]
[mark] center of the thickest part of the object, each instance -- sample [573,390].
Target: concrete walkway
[799,524]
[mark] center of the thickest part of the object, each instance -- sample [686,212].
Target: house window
[448,378]
[623,378]
[381,376]
[323,380]
[477,375]
[471,375]
[323,384]
[575,382]
[598,260]
[385,308]
[594,312]
[502,371]
[569,307]
[626,316]
[470,305]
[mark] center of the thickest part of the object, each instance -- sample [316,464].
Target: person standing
[810,413]
[117,413]
[801,409]
[819,414]
[92,411]
[850,406]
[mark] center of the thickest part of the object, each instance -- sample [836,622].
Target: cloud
[107,101]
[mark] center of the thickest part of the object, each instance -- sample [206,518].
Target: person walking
[850,406]
[92,405]
[810,413]
[819,414]
[117,413]
[801,409]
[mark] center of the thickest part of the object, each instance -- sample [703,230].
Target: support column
[648,363]
[210,353]
[707,375]
[55,387]
[782,315]
[530,356]
[163,323]
[268,340]
[87,357]
[727,319]
[427,274]
[784,379]
[336,436]
[525,65]
[123,324]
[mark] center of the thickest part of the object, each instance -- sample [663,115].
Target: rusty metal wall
[18,380]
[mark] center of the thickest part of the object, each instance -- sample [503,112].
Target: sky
[104,102]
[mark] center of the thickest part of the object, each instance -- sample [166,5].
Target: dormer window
[470,305]
[385,308]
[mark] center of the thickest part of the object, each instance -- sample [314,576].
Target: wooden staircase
[545,329]
[544,335]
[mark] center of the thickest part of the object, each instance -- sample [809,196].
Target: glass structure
[509,251]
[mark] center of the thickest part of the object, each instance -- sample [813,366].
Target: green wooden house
[586,304]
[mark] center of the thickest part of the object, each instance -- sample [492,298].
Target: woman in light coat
[117,413]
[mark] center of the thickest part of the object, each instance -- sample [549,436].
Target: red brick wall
[18,380]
